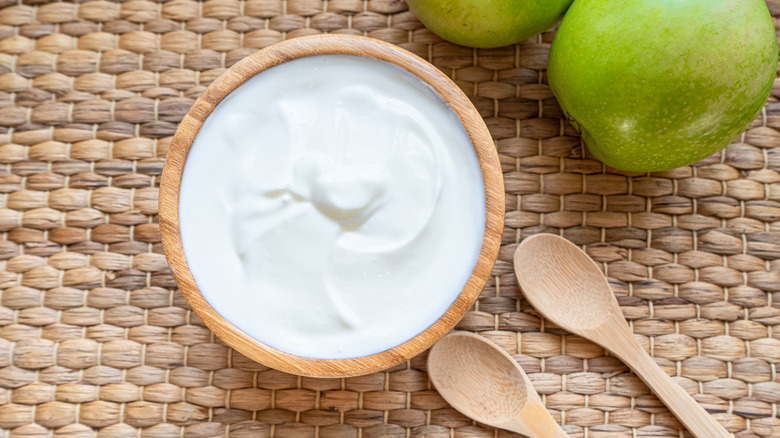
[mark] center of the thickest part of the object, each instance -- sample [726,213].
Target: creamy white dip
[332,207]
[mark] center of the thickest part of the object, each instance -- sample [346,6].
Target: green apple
[487,23]
[658,84]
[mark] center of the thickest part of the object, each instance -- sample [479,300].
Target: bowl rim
[285,51]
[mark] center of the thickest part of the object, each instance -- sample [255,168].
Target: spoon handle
[698,421]
[535,422]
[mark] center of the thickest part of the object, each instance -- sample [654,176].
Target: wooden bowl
[270,57]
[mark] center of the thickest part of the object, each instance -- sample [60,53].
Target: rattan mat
[96,341]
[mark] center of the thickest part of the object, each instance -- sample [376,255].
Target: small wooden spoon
[569,289]
[483,382]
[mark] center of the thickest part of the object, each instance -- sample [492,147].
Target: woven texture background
[95,341]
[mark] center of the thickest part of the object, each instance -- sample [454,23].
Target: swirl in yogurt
[332,207]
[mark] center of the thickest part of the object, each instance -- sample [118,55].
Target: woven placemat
[96,341]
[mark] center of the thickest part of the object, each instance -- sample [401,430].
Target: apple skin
[487,23]
[658,84]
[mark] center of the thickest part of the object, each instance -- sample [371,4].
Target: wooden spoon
[483,382]
[569,289]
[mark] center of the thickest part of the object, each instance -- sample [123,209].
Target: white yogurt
[332,207]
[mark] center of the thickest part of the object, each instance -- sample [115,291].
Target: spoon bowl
[581,294]
[483,382]
[568,288]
